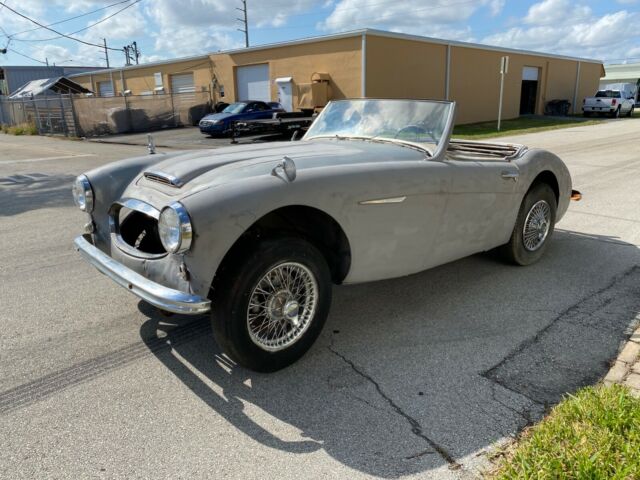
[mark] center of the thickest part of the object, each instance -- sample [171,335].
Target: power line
[57,32]
[67,19]
[27,56]
[82,29]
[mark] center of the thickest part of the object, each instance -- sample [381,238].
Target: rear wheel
[630,113]
[534,226]
[270,304]
[616,113]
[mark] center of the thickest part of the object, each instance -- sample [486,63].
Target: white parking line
[46,159]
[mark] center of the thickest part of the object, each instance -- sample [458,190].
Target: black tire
[586,114]
[515,251]
[630,112]
[234,285]
[616,113]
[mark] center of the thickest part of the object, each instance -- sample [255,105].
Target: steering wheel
[417,130]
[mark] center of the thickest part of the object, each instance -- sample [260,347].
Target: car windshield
[418,122]
[608,94]
[235,108]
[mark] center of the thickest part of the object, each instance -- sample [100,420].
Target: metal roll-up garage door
[105,89]
[253,83]
[182,83]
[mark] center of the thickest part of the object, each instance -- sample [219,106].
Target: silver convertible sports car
[257,234]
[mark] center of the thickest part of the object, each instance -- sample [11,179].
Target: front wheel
[534,226]
[270,304]
[630,112]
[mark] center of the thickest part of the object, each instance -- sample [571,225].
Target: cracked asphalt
[417,377]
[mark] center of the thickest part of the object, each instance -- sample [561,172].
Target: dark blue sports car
[220,123]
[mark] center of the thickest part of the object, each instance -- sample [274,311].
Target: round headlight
[83,194]
[174,228]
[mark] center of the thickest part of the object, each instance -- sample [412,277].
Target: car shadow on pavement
[31,191]
[424,372]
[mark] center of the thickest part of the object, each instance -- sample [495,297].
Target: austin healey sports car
[256,235]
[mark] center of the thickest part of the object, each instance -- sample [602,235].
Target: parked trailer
[286,124]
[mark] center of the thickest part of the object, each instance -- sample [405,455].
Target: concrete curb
[626,369]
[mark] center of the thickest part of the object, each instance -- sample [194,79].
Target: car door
[258,111]
[395,216]
[629,101]
[480,209]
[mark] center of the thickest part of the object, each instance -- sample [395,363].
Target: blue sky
[165,29]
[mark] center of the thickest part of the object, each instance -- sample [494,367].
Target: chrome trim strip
[140,206]
[114,227]
[157,295]
[382,201]
[158,176]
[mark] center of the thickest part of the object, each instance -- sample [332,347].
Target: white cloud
[430,17]
[183,41]
[610,36]
[496,6]
[199,26]
[126,26]
[549,12]
[54,54]
[223,13]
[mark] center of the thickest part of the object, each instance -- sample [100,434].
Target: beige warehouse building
[365,63]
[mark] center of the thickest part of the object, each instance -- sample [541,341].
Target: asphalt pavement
[417,377]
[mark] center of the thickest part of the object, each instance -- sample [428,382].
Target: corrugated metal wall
[17,76]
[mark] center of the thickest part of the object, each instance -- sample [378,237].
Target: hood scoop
[164,178]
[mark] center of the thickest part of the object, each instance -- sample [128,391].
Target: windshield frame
[441,147]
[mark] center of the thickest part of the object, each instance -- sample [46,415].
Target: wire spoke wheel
[536,226]
[282,306]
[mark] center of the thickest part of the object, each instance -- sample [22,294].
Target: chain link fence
[79,115]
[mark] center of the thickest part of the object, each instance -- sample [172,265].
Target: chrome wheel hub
[536,226]
[282,306]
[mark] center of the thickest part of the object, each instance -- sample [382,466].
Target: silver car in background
[256,235]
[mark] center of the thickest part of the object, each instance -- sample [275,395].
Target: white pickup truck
[614,102]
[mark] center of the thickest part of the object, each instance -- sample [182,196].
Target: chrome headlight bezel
[174,228]
[83,193]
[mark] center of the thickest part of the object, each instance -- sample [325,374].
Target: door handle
[510,175]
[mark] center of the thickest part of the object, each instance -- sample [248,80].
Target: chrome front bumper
[160,296]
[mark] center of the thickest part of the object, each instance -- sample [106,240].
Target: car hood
[218,116]
[179,173]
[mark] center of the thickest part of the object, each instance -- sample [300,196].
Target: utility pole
[245,22]
[132,52]
[106,52]
[136,53]
[46,60]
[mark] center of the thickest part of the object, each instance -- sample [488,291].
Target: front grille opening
[140,231]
